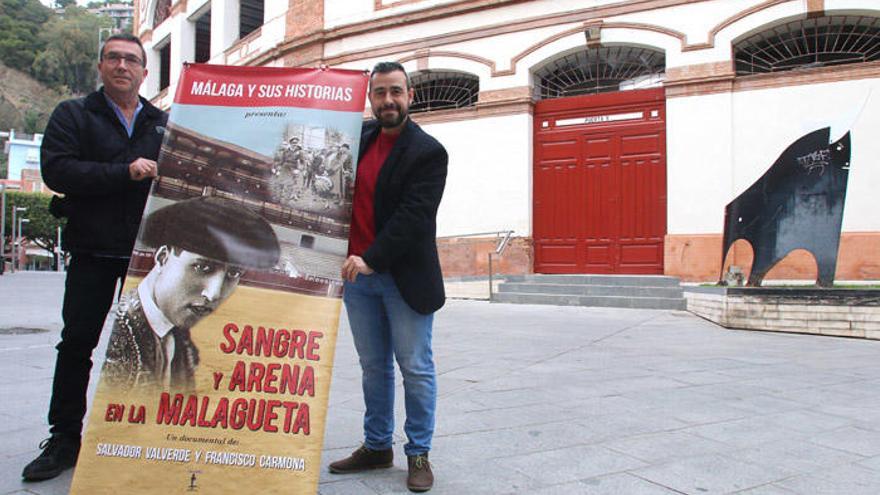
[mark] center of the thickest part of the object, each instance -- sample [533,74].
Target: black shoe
[363,459]
[59,453]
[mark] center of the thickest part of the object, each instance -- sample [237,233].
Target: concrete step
[612,280]
[592,290]
[671,303]
[615,291]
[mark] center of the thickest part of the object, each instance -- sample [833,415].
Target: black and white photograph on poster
[312,170]
[202,247]
[303,190]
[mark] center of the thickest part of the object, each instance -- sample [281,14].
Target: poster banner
[218,367]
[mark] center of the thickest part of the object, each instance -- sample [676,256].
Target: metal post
[2,227]
[58,251]
[14,239]
[20,247]
[490,277]
[15,210]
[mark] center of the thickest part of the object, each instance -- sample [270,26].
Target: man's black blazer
[408,192]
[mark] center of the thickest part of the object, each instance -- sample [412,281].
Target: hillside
[25,103]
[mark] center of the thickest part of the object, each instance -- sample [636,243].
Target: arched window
[162,11]
[599,70]
[440,90]
[817,42]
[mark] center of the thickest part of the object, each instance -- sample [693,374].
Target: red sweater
[363,226]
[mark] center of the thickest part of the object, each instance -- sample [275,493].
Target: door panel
[600,184]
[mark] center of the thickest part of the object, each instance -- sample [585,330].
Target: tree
[71,51]
[20,23]
[41,228]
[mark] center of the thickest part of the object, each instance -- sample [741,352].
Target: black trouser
[88,295]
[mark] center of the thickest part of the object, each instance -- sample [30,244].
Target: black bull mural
[796,204]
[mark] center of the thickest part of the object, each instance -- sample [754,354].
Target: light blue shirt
[129,126]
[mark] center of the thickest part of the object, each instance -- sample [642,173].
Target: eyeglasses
[114,58]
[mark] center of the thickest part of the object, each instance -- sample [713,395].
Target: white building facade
[608,135]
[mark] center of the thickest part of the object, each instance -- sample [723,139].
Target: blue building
[23,151]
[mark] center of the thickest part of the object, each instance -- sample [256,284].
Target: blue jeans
[384,327]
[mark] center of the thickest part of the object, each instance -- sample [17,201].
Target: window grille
[817,42]
[250,17]
[440,90]
[600,70]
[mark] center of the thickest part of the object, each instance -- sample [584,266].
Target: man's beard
[389,122]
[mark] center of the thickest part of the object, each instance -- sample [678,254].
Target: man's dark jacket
[408,192]
[85,156]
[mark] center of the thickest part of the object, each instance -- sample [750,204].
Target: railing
[502,240]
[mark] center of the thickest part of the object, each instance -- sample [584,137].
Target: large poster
[218,367]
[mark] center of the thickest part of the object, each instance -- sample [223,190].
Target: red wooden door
[600,183]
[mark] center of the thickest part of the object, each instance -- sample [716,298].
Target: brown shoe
[420,478]
[363,459]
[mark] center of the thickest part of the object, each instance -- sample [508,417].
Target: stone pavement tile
[570,464]
[823,378]
[871,463]
[675,364]
[660,447]
[612,484]
[494,443]
[390,481]
[747,372]
[344,428]
[867,412]
[865,369]
[708,412]
[344,487]
[20,419]
[809,421]
[794,456]
[743,433]
[11,481]
[24,441]
[709,474]
[770,489]
[682,396]
[386,481]
[843,480]
[721,364]
[510,418]
[731,390]
[470,372]
[818,396]
[456,476]
[764,404]
[601,406]
[631,385]
[561,489]
[851,439]
[702,377]
[860,389]
[776,384]
[615,426]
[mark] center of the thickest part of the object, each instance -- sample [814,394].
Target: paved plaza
[546,400]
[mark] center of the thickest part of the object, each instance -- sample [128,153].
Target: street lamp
[15,210]
[20,247]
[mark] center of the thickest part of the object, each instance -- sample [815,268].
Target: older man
[99,151]
[204,245]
